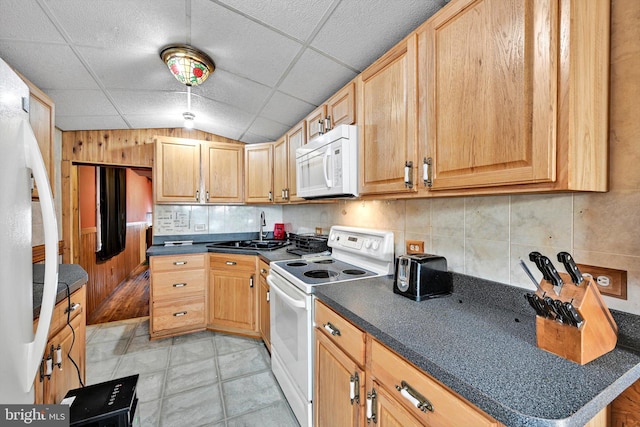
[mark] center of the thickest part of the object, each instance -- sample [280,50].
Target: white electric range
[357,253]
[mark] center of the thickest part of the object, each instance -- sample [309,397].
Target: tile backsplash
[173,220]
[487,236]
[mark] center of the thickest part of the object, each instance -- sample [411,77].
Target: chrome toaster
[422,276]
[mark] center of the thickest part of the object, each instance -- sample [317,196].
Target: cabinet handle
[408,181]
[179,285]
[270,195]
[251,281]
[327,124]
[268,296]
[263,271]
[180,263]
[416,399]
[371,403]
[42,370]
[283,194]
[286,193]
[331,329]
[197,195]
[231,263]
[49,364]
[354,388]
[320,127]
[59,357]
[207,195]
[426,171]
[74,306]
[180,313]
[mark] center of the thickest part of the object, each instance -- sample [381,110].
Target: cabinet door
[488,81]
[280,170]
[176,170]
[264,311]
[315,122]
[341,107]
[231,299]
[223,174]
[297,137]
[258,163]
[389,412]
[387,112]
[334,374]
[65,376]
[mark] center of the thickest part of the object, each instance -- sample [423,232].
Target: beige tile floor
[200,379]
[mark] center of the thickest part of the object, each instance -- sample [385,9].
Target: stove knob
[376,245]
[367,243]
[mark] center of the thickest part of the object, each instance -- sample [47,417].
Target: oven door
[291,344]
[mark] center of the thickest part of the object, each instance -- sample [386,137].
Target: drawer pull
[231,263]
[371,403]
[263,271]
[354,388]
[416,399]
[331,329]
[180,263]
[74,307]
[251,281]
[180,313]
[268,296]
[59,357]
[179,285]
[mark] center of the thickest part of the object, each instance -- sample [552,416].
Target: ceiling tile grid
[276,60]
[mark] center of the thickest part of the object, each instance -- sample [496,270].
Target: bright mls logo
[34,415]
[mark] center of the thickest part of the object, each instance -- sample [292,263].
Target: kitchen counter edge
[71,275]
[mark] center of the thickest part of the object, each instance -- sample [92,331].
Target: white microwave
[328,165]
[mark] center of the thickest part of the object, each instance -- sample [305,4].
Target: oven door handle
[290,301]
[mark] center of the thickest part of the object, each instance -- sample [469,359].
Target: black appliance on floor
[108,404]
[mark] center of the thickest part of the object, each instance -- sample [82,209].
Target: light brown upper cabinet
[176,170]
[284,164]
[258,173]
[514,92]
[178,177]
[340,109]
[386,110]
[222,166]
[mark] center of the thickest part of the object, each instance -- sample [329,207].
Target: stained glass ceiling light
[188,65]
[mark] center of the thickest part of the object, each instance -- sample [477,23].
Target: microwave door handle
[325,164]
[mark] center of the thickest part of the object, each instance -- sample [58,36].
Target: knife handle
[551,309]
[535,303]
[574,314]
[571,267]
[566,316]
[554,277]
[536,258]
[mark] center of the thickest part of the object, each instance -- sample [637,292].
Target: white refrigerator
[20,349]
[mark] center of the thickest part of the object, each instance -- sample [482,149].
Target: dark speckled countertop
[68,274]
[484,349]
[197,248]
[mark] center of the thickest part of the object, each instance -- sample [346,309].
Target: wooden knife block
[596,336]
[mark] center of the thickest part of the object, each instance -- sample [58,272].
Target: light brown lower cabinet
[66,345]
[387,411]
[264,309]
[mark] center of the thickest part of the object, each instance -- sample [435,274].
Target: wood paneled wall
[105,276]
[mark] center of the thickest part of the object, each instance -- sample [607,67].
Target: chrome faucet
[263,223]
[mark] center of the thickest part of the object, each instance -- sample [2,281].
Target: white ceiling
[276,60]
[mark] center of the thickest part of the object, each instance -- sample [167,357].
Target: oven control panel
[366,242]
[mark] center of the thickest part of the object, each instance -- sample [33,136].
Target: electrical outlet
[415,246]
[610,281]
[318,231]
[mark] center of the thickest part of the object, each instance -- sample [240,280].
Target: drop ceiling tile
[25,20]
[298,18]
[150,102]
[239,45]
[154,121]
[213,112]
[251,138]
[314,78]
[81,103]
[234,90]
[269,129]
[47,66]
[358,34]
[67,123]
[117,23]
[286,109]
[138,69]
[219,128]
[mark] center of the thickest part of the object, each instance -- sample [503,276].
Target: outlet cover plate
[414,246]
[617,280]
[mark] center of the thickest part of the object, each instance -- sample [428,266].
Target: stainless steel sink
[262,245]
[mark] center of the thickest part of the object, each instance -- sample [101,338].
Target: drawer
[182,313]
[177,262]
[230,262]
[264,269]
[340,331]
[449,409]
[177,284]
[59,315]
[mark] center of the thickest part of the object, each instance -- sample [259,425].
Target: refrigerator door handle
[35,349]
